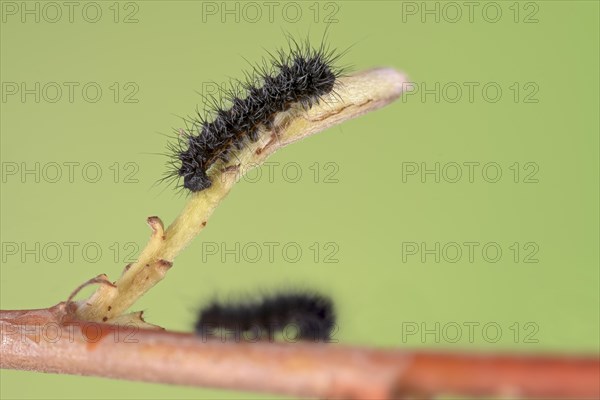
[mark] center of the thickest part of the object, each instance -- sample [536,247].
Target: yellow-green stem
[354,95]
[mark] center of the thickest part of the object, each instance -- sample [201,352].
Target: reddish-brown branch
[47,340]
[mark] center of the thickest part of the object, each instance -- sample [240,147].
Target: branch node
[157,226]
[101,279]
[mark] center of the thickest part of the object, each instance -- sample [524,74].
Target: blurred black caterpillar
[309,316]
[301,75]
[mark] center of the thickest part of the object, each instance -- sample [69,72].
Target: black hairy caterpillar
[300,76]
[311,315]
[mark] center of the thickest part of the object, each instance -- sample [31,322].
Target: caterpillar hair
[297,77]
[311,315]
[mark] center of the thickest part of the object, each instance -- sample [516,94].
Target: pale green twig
[354,95]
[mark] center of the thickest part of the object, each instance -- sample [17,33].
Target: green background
[170,53]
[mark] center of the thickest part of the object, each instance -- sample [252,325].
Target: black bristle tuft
[302,75]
